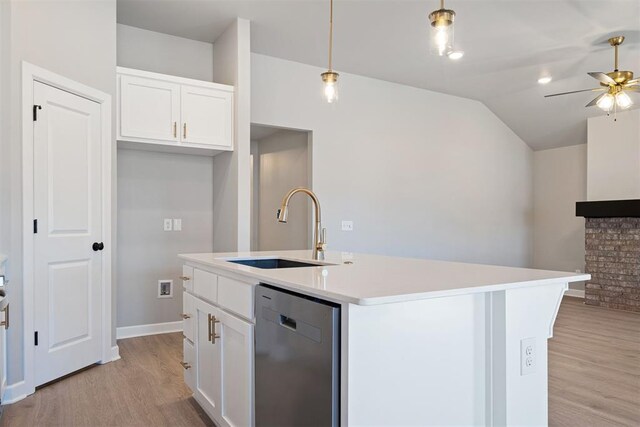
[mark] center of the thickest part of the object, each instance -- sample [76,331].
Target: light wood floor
[144,388]
[594,367]
[594,380]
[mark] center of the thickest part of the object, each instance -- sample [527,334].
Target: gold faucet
[320,234]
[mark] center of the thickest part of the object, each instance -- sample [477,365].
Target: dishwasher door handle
[288,322]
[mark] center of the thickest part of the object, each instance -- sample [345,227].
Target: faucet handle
[322,241]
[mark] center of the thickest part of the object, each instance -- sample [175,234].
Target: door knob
[97,246]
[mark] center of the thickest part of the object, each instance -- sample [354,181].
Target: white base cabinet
[218,347]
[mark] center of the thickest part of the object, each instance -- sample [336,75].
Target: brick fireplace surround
[613,259]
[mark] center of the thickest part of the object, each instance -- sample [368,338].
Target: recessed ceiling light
[456,55]
[544,80]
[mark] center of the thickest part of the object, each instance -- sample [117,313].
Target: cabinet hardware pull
[213,334]
[184,130]
[209,327]
[5,322]
[186,316]
[175,129]
[185,365]
[185,278]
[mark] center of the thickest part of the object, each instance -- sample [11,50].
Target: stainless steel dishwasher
[297,360]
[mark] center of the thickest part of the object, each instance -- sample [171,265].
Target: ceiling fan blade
[598,89]
[602,77]
[633,82]
[595,100]
[632,88]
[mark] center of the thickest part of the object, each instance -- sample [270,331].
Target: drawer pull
[185,278]
[186,316]
[185,365]
[5,322]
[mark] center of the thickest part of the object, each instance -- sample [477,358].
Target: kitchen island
[423,342]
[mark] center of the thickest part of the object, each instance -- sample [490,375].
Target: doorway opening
[280,161]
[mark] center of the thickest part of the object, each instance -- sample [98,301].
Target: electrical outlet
[177,224]
[347,225]
[165,288]
[167,224]
[528,356]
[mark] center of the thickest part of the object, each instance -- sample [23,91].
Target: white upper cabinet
[168,113]
[149,109]
[207,116]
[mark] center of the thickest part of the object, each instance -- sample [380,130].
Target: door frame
[30,74]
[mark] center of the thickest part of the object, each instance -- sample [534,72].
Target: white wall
[560,180]
[76,39]
[614,156]
[153,186]
[232,170]
[163,53]
[420,173]
[282,165]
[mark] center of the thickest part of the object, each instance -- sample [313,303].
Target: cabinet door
[208,372]
[236,348]
[188,316]
[149,109]
[207,116]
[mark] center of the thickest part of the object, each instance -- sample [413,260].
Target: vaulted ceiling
[508,45]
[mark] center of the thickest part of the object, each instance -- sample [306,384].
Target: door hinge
[35,226]
[35,112]
[35,337]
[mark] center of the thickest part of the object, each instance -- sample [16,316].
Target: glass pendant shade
[330,83]
[606,102]
[442,31]
[623,100]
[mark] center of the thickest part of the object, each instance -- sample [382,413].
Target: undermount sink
[271,263]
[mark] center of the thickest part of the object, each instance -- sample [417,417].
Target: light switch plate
[177,224]
[347,225]
[167,224]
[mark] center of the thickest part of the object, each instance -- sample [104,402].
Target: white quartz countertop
[376,279]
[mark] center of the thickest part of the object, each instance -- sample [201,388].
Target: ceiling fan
[614,85]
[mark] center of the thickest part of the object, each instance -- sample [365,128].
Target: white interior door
[207,116]
[67,206]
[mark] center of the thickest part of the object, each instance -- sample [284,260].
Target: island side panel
[416,363]
[517,393]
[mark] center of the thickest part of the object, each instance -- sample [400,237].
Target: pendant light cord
[330,34]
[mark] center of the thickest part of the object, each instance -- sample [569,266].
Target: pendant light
[442,30]
[330,77]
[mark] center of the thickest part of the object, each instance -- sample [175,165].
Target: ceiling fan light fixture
[441,21]
[623,100]
[606,102]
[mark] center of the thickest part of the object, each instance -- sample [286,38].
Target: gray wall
[76,39]
[153,186]
[420,173]
[560,180]
[163,53]
[282,164]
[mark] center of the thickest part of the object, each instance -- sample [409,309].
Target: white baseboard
[15,392]
[152,329]
[577,293]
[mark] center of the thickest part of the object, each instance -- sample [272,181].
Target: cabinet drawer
[188,316]
[205,285]
[187,278]
[189,363]
[235,296]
